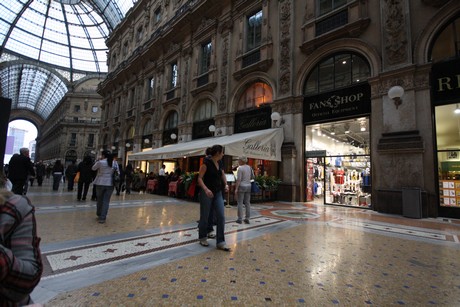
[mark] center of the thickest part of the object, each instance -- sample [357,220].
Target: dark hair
[212,151]
[88,160]
[109,156]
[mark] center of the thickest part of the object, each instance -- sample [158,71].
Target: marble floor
[291,254]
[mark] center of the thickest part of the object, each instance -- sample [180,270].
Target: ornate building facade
[348,82]
[72,129]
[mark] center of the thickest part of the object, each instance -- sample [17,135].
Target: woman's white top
[104,172]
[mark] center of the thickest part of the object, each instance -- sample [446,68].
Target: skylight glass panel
[99,44]
[55,48]
[125,5]
[79,42]
[54,59]
[2,37]
[25,105]
[21,48]
[24,37]
[9,12]
[32,24]
[84,65]
[99,31]
[82,54]
[55,10]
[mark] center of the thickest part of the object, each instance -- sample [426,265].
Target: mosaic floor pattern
[292,254]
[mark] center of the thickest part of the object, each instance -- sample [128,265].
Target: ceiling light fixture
[362,125]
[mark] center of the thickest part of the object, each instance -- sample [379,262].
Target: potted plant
[268,185]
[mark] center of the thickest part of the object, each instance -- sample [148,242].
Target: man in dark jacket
[20,167]
[86,177]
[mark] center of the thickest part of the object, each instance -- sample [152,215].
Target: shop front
[445,88]
[337,163]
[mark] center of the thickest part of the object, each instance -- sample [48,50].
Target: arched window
[256,95]
[170,130]
[147,135]
[338,71]
[148,127]
[203,118]
[171,121]
[116,136]
[447,43]
[206,110]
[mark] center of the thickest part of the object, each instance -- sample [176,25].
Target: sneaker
[223,247]
[101,221]
[211,235]
[238,221]
[246,221]
[204,242]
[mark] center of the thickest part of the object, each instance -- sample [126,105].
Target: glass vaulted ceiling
[67,36]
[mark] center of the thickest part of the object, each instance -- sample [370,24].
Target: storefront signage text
[349,102]
[445,79]
[259,148]
[253,120]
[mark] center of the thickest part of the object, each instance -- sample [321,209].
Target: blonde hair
[4,196]
[4,193]
[243,159]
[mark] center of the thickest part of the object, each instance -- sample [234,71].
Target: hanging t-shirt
[339,176]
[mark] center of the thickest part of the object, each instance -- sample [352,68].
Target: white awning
[261,144]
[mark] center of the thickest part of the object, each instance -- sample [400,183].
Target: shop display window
[448,146]
[338,163]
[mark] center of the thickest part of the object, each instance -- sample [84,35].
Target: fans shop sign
[344,103]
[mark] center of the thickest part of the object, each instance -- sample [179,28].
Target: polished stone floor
[291,254]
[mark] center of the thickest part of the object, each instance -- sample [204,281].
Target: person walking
[162,184]
[243,189]
[212,180]
[104,183]
[129,176]
[40,171]
[21,265]
[70,173]
[119,185]
[86,176]
[19,169]
[58,171]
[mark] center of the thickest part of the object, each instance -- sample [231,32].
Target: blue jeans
[103,194]
[205,207]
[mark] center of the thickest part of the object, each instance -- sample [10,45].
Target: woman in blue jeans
[104,183]
[212,180]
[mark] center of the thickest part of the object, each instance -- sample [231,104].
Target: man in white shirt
[162,181]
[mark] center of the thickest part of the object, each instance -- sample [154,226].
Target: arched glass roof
[33,88]
[68,35]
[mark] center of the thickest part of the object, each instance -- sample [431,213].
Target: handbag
[115,177]
[255,187]
[77,177]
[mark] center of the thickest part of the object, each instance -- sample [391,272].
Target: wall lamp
[146,141]
[212,128]
[395,93]
[276,117]
[113,147]
[173,136]
[128,145]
